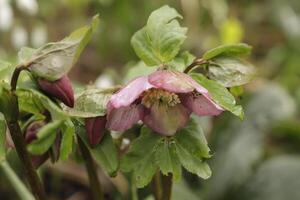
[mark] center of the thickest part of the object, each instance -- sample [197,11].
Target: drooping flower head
[163,100]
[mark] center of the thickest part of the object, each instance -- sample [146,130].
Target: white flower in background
[38,36]
[6,15]
[19,37]
[29,6]
[104,81]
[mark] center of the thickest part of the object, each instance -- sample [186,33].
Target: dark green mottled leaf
[55,59]
[230,72]
[35,102]
[91,103]
[235,50]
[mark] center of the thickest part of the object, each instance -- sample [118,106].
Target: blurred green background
[254,159]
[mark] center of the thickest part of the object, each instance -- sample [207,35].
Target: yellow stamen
[161,97]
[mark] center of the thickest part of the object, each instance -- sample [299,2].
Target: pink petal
[174,81]
[130,92]
[123,118]
[201,105]
[167,120]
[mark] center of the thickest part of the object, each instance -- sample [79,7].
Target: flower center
[159,97]
[196,94]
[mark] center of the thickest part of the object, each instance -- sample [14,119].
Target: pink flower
[60,89]
[163,100]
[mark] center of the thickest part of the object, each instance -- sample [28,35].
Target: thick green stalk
[167,184]
[16,183]
[194,64]
[19,142]
[91,169]
[157,186]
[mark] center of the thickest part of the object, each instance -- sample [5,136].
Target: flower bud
[95,128]
[32,130]
[38,160]
[60,89]
[30,135]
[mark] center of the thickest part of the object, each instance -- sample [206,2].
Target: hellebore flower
[95,128]
[163,100]
[60,89]
[30,136]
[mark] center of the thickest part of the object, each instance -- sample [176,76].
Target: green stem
[91,169]
[15,77]
[157,186]
[134,194]
[167,184]
[14,180]
[19,142]
[196,62]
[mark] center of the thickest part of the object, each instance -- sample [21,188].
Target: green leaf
[30,104]
[230,71]
[192,149]
[145,171]
[68,131]
[167,159]
[141,157]
[2,138]
[25,54]
[91,103]
[45,138]
[193,163]
[182,61]
[160,40]
[235,50]
[192,137]
[55,59]
[35,102]
[151,151]
[220,95]
[105,153]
